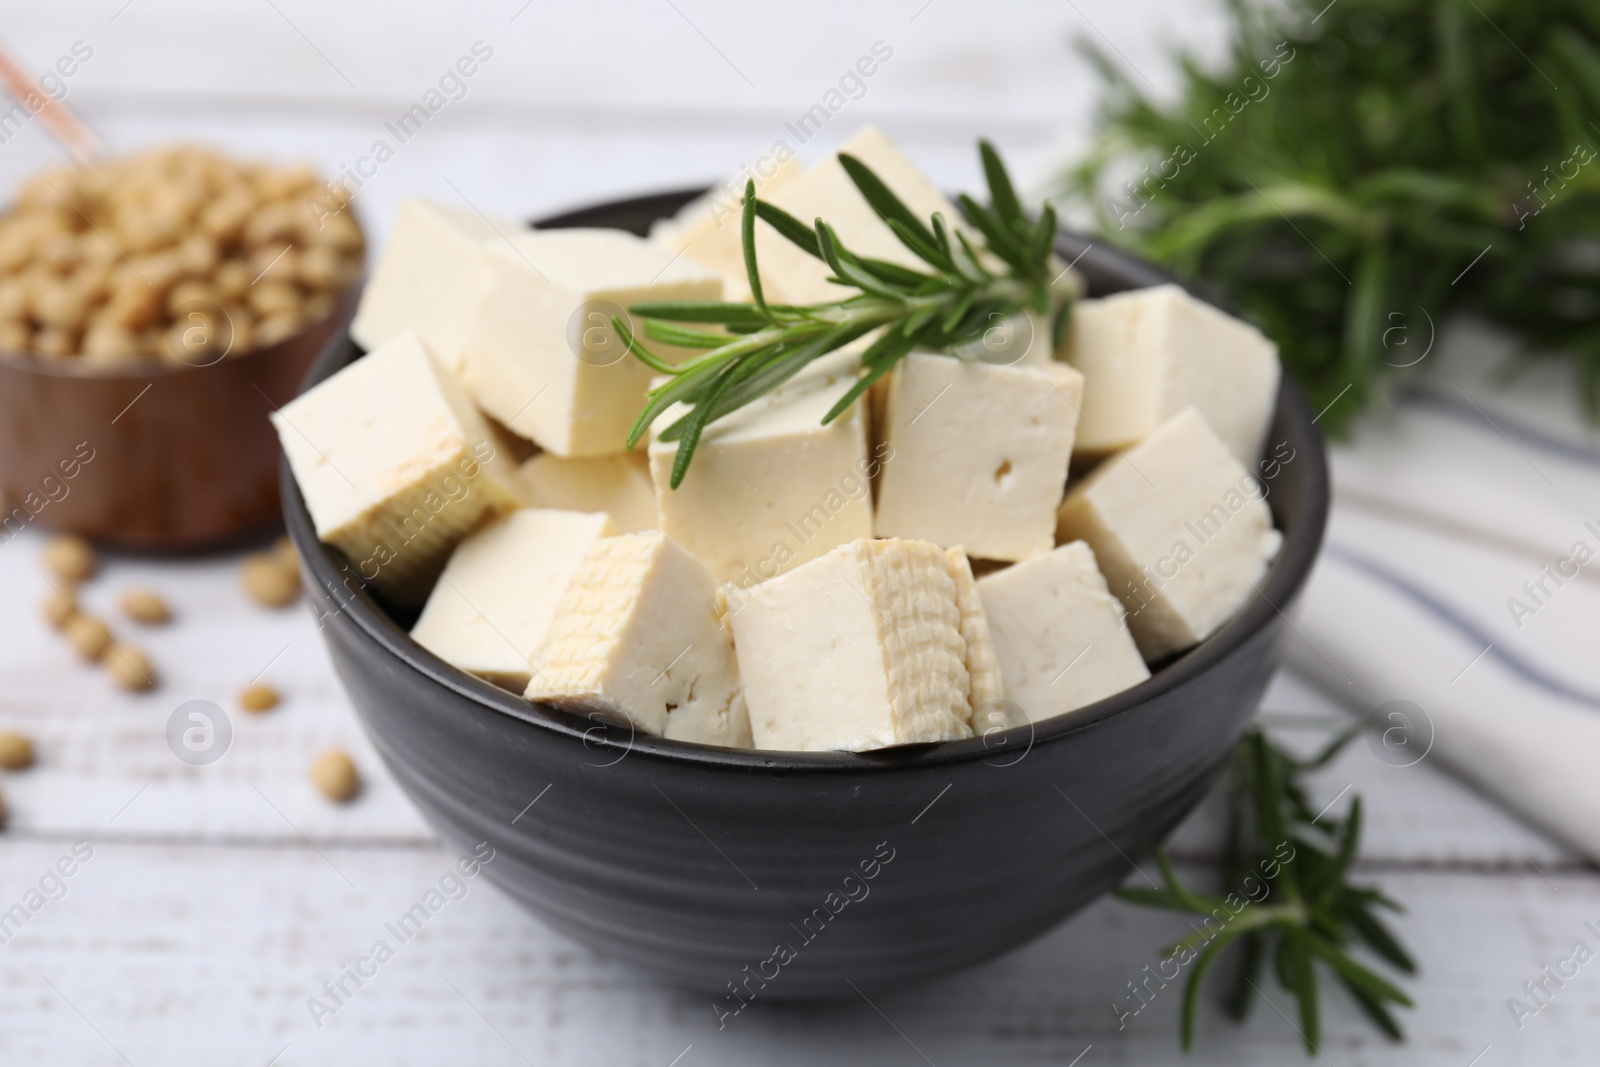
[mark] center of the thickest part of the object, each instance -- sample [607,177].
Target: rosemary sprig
[750,349]
[1351,174]
[1303,910]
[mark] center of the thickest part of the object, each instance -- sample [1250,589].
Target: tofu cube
[395,465]
[1059,636]
[859,649]
[1022,339]
[429,277]
[540,354]
[770,487]
[706,230]
[636,638]
[977,454]
[618,485]
[826,191]
[1148,354]
[490,609]
[985,684]
[1180,529]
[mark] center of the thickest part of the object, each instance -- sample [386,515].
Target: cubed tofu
[1027,338]
[636,638]
[1180,529]
[1023,338]
[1150,353]
[540,354]
[429,277]
[490,609]
[618,485]
[769,486]
[985,684]
[859,649]
[1059,636]
[826,191]
[395,465]
[977,454]
[706,230]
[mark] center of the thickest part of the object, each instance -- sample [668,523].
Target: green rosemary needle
[1304,910]
[750,349]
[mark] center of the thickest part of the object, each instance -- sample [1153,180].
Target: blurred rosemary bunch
[1339,176]
[1302,912]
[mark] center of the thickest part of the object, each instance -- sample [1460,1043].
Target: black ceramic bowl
[791,875]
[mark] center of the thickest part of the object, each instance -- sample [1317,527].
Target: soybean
[145,605]
[268,580]
[334,773]
[69,557]
[129,668]
[258,698]
[58,607]
[89,636]
[16,751]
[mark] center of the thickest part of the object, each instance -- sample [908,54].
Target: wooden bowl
[153,458]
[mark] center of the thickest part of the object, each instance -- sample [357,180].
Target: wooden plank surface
[103,753]
[580,102]
[949,62]
[188,954]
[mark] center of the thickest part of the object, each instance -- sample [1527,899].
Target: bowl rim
[1284,579]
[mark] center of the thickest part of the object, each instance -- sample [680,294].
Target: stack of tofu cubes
[807,587]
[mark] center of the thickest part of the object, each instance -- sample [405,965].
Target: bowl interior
[1297,497]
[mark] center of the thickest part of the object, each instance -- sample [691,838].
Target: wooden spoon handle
[62,122]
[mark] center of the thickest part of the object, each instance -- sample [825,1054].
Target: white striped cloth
[1462,574]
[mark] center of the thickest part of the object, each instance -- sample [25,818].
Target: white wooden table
[219,898]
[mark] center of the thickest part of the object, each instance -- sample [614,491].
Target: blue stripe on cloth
[1528,435]
[1525,669]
